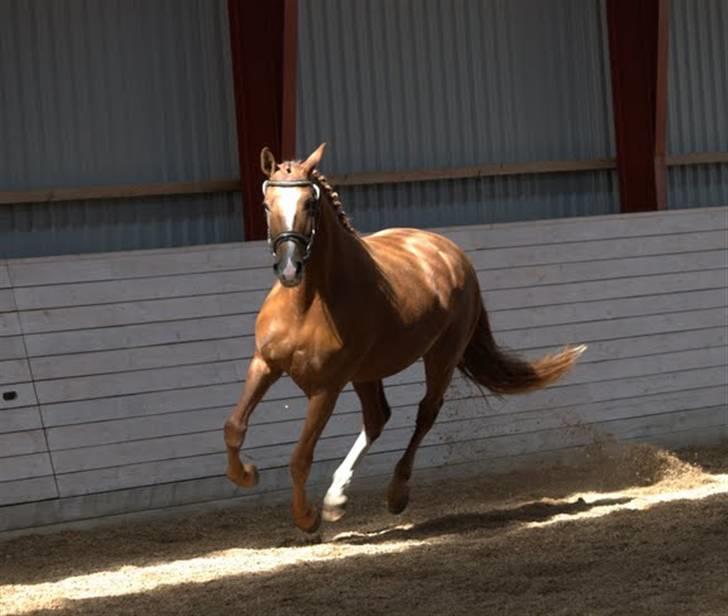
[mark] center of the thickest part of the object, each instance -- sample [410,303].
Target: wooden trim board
[137,191]
[130,191]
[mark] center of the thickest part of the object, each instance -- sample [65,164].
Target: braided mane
[335,200]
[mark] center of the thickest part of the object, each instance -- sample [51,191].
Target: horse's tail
[485,363]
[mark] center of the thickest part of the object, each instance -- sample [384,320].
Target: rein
[305,242]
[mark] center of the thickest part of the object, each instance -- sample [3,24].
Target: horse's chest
[305,353]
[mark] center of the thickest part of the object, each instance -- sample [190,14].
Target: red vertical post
[290,79]
[263,39]
[638,34]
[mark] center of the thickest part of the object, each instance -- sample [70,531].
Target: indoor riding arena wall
[117,371]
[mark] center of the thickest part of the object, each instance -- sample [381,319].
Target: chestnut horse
[352,309]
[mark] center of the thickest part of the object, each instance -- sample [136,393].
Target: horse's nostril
[275,268]
[299,268]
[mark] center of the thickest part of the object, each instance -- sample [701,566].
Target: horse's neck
[336,260]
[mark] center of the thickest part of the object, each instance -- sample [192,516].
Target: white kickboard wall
[117,371]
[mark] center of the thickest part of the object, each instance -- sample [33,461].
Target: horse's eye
[310,204]
[266,207]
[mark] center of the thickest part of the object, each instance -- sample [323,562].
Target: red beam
[638,34]
[290,79]
[263,38]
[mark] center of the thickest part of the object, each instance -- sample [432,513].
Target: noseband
[305,242]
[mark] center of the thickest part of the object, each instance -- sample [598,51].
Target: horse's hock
[117,371]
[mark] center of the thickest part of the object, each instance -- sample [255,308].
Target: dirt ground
[631,530]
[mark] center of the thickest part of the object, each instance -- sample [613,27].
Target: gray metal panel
[698,81]
[402,85]
[698,186]
[107,93]
[481,200]
[698,100]
[105,225]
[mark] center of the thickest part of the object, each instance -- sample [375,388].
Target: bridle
[306,243]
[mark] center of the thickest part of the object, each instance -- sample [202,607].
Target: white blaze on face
[288,202]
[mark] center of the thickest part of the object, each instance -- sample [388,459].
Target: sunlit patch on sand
[503,520]
[636,499]
[21,598]
[372,534]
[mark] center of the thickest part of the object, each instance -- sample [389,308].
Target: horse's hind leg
[438,372]
[376,413]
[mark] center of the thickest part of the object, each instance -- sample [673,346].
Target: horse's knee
[234,432]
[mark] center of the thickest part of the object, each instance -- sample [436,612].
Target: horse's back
[431,278]
[427,261]
[435,293]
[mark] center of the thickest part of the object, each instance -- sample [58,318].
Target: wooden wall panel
[26,473]
[136,359]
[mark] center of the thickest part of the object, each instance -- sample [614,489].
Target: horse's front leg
[376,412]
[320,407]
[260,377]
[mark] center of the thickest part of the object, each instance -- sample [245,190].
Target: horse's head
[291,202]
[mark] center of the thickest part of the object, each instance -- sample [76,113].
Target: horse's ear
[314,159]
[267,161]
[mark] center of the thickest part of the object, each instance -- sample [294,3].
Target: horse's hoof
[334,506]
[310,522]
[333,513]
[247,477]
[397,497]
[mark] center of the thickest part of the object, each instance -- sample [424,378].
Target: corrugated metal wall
[417,84]
[405,84]
[108,93]
[698,100]
[96,93]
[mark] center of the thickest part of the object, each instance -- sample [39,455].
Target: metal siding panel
[698,186]
[109,93]
[105,225]
[410,85]
[698,100]
[480,200]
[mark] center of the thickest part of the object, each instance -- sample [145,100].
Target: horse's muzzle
[289,264]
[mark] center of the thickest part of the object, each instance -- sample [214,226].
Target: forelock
[290,170]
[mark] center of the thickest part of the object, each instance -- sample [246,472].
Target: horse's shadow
[465,522]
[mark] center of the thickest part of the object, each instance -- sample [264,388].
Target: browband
[284,183]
